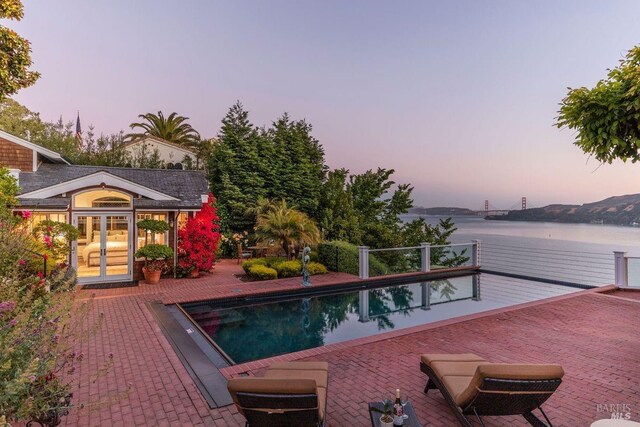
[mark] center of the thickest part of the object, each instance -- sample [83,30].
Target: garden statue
[306,279]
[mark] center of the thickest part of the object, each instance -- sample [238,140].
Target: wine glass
[404,403]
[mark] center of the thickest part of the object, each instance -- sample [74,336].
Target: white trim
[96,180]
[35,147]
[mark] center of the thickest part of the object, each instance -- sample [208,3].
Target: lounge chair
[473,386]
[289,394]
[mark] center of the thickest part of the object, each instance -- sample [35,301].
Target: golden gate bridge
[492,210]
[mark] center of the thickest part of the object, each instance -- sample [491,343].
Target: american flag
[78,131]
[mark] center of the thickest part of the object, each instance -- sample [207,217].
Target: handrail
[395,249]
[452,245]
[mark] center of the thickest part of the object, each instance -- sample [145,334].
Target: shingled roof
[185,185]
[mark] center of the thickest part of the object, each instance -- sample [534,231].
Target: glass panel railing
[633,272]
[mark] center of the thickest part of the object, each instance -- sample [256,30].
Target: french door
[103,251]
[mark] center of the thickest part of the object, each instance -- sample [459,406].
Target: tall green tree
[298,162]
[173,128]
[234,170]
[606,118]
[338,219]
[15,53]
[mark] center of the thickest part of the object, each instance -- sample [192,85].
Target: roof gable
[156,140]
[168,187]
[50,155]
[93,180]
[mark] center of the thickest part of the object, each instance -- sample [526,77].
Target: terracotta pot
[195,273]
[152,277]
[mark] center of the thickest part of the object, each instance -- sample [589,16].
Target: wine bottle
[398,412]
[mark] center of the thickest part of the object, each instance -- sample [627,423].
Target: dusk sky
[458,96]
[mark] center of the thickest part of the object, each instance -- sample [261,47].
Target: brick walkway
[592,335]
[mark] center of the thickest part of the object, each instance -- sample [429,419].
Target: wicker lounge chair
[472,386]
[289,394]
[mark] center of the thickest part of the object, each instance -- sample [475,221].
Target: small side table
[412,421]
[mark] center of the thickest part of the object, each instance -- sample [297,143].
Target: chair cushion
[514,371]
[315,366]
[508,371]
[293,371]
[467,369]
[320,377]
[428,359]
[269,386]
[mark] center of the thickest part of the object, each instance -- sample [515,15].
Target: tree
[287,227]
[15,53]
[296,164]
[234,170]
[173,128]
[338,219]
[607,116]
[18,120]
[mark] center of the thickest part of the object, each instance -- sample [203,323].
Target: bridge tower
[524,203]
[486,207]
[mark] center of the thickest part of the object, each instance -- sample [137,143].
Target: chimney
[16,174]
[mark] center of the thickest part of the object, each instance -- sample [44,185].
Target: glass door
[88,251]
[103,250]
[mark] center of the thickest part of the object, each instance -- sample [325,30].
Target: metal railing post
[620,260]
[363,262]
[425,257]
[475,253]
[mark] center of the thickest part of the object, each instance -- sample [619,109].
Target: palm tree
[173,128]
[287,227]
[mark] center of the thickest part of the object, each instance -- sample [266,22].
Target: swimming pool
[252,332]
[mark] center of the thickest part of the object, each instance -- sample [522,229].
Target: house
[104,203]
[174,156]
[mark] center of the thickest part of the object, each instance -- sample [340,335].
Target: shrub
[246,266]
[316,268]
[262,272]
[155,256]
[198,239]
[273,261]
[289,268]
[343,256]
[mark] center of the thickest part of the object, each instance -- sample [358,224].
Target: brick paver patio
[594,336]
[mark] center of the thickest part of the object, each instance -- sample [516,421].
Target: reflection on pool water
[254,332]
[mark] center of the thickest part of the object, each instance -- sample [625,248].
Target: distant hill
[419,210]
[619,210]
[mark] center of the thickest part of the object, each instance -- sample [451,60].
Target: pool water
[255,332]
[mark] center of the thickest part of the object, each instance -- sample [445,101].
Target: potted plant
[155,263]
[386,420]
[153,227]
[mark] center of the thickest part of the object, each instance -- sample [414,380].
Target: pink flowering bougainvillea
[198,239]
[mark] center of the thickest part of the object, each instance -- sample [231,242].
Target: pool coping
[246,368]
[254,295]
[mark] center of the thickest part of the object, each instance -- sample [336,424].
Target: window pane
[104,199]
[145,238]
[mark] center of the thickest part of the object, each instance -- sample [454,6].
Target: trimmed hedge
[246,265]
[262,272]
[289,268]
[343,256]
[316,268]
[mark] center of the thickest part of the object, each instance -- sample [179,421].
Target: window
[38,217]
[148,237]
[182,219]
[102,199]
